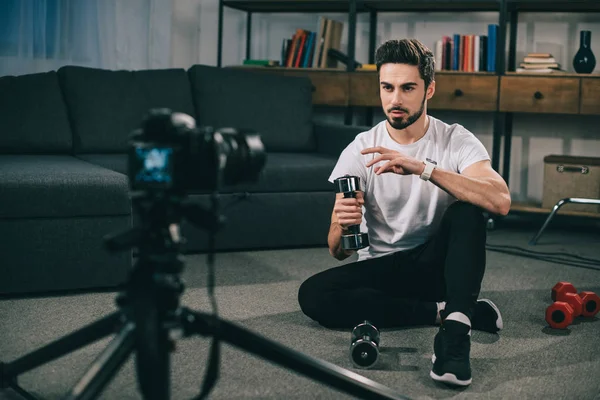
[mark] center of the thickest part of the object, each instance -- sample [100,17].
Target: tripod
[150,314]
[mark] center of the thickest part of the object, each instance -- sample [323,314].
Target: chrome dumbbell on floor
[364,345]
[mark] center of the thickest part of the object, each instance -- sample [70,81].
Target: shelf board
[291,6]
[553,5]
[445,72]
[537,209]
[553,74]
[297,6]
[295,69]
[438,73]
[343,70]
[432,5]
[484,73]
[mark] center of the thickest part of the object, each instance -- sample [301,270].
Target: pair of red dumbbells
[568,305]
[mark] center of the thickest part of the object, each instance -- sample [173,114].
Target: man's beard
[401,123]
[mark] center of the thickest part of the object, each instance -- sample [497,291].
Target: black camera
[169,153]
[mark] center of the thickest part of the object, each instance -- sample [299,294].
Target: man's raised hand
[398,163]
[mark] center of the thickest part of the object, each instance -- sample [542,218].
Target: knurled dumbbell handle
[353,229]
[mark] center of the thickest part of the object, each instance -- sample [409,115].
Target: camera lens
[169,153]
[244,152]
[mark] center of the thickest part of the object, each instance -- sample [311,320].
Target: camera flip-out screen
[153,166]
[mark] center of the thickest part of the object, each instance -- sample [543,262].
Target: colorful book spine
[456,41]
[465,53]
[492,43]
[439,58]
[483,53]
[309,51]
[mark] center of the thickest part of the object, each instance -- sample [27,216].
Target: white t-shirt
[403,211]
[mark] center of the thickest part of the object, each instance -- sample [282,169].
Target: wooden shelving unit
[503,92]
[480,91]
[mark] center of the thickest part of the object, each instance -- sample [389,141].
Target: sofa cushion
[105,106]
[264,221]
[33,117]
[114,162]
[59,186]
[291,172]
[283,172]
[52,254]
[279,108]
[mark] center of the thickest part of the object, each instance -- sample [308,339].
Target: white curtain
[43,35]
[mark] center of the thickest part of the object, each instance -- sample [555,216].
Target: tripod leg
[105,366]
[320,370]
[59,348]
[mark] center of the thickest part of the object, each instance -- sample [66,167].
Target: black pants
[402,288]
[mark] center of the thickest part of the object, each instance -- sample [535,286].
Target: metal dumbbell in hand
[353,239]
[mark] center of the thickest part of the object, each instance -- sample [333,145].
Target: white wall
[194,40]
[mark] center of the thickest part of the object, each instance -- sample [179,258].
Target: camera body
[168,153]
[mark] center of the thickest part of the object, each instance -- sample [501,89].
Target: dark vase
[584,61]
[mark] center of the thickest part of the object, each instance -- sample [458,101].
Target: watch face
[431,161]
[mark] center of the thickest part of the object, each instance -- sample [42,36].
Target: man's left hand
[398,163]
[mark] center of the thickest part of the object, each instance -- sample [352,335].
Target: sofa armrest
[333,138]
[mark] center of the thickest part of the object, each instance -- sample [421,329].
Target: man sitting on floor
[425,185]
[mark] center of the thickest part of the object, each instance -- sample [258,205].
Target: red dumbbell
[559,315]
[562,288]
[574,301]
[590,302]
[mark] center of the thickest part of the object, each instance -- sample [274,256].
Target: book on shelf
[467,52]
[264,63]
[537,71]
[539,62]
[367,67]
[310,49]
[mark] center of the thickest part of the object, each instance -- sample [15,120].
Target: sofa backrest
[279,108]
[106,106]
[33,116]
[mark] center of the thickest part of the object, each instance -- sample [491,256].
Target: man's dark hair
[407,51]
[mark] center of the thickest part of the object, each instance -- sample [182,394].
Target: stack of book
[538,62]
[467,53]
[310,49]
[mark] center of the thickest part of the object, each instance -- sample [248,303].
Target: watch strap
[429,167]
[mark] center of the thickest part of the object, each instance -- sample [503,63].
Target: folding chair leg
[558,205]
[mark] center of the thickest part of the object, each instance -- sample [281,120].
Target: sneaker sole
[449,378]
[499,322]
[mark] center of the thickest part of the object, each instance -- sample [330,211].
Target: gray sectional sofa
[63,184]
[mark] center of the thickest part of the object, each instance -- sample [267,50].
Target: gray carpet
[258,291]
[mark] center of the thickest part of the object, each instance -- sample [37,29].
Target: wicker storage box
[571,176]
